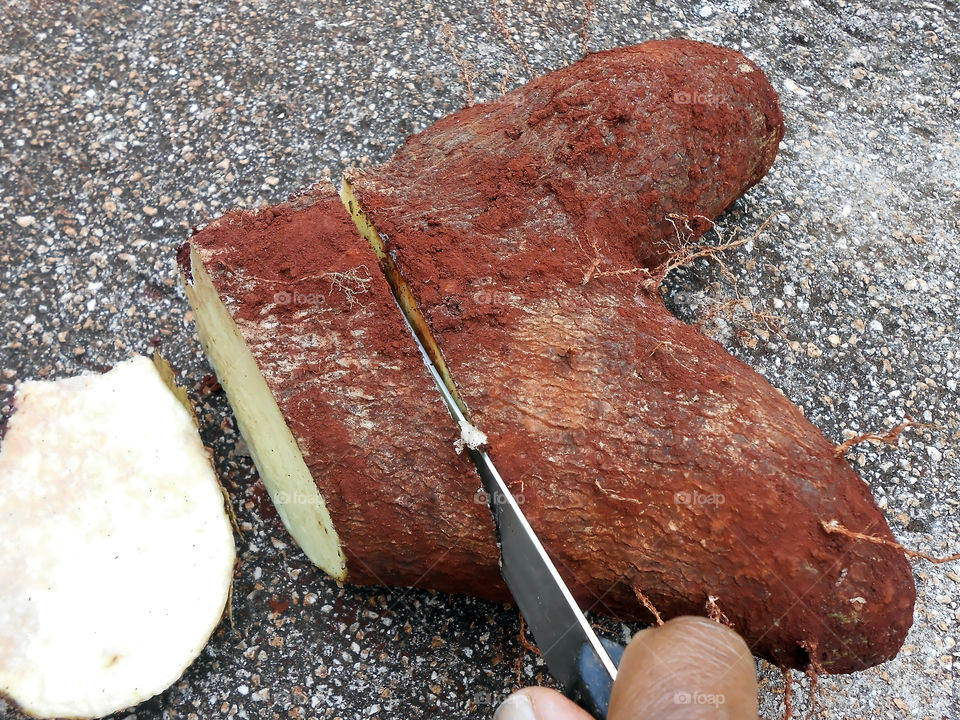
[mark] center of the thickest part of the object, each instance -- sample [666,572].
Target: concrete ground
[125,124]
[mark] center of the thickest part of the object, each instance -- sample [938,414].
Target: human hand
[688,668]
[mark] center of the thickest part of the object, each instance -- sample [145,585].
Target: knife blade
[584,664]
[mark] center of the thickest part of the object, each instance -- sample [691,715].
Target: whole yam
[648,459]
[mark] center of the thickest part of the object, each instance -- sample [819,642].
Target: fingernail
[515,707]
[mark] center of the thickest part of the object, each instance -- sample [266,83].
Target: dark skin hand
[689,668]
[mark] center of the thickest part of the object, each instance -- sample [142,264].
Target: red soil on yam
[354,391]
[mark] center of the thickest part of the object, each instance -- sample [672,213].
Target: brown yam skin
[600,151]
[647,457]
[354,391]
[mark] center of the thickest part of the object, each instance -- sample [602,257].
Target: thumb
[537,703]
[689,667]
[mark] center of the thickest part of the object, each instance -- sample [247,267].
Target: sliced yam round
[116,551]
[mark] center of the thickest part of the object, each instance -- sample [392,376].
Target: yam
[116,551]
[518,236]
[333,399]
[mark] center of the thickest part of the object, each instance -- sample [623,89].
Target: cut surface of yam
[333,400]
[272,446]
[116,551]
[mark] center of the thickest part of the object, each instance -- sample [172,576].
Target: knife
[583,663]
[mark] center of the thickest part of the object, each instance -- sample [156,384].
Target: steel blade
[556,621]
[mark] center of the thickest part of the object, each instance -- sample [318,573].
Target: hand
[689,668]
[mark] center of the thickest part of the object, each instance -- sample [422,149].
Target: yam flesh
[116,550]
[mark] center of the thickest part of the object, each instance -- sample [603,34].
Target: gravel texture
[123,126]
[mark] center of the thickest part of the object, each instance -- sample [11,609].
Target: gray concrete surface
[124,124]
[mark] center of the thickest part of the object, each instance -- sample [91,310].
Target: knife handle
[592,686]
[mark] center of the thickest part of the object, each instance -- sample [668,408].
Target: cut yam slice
[332,397]
[116,550]
[272,446]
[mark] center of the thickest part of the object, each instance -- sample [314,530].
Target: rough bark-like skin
[646,456]
[354,391]
[601,151]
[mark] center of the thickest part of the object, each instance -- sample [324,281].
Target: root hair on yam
[715,613]
[615,496]
[596,260]
[524,641]
[834,527]
[890,437]
[688,247]
[528,647]
[787,692]
[687,250]
[351,283]
[588,7]
[813,671]
[501,24]
[645,601]
[467,70]
[668,347]
[504,86]
[770,322]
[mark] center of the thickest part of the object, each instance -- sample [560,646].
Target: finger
[537,703]
[688,668]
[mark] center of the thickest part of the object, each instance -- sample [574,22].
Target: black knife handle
[592,686]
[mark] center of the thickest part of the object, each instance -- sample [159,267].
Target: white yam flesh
[116,552]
